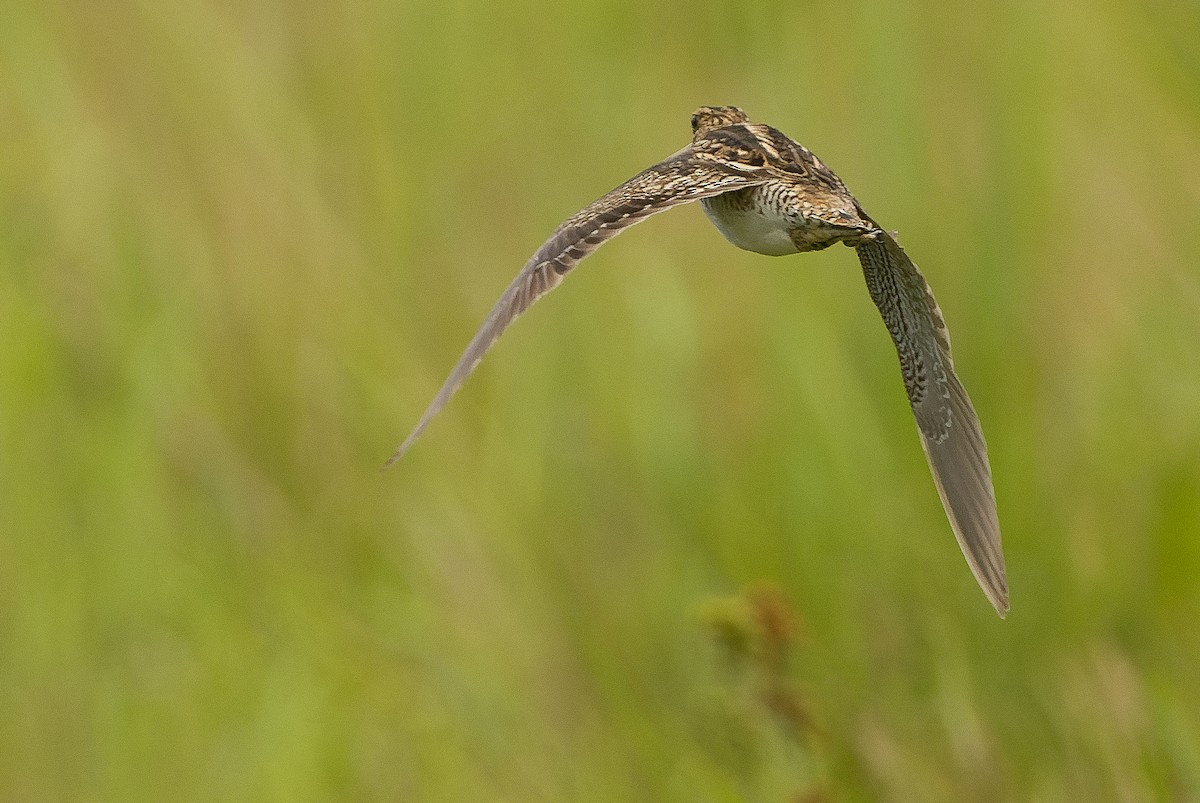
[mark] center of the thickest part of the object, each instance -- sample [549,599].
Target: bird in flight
[769,194]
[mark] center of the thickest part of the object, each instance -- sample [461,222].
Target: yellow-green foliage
[676,540]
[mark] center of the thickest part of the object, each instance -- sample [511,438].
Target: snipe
[769,194]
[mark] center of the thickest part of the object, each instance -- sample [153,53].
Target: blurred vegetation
[676,540]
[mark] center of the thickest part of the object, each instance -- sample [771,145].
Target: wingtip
[399,453]
[992,577]
[998,596]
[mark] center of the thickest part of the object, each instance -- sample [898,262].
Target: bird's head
[707,118]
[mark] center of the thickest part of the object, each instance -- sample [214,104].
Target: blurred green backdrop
[676,540]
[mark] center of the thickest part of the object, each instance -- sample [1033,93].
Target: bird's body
[768,194]
[771,220]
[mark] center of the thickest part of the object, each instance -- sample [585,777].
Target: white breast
[749,227]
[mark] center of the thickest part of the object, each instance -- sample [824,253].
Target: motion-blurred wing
[947,422]
[679,179]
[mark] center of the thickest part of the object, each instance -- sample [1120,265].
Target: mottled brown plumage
[769,194]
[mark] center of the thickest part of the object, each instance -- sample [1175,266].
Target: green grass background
[676,540]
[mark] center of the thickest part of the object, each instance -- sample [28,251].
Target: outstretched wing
[678,179]
[947,422]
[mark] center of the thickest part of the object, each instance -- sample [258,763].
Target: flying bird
[769,194]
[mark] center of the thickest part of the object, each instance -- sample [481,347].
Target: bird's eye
[695,121]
